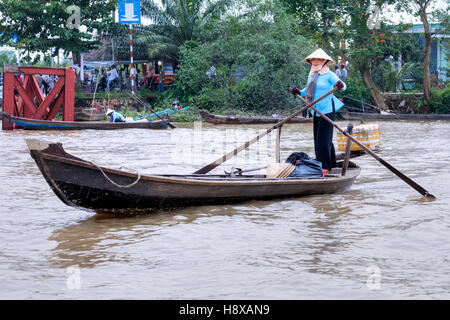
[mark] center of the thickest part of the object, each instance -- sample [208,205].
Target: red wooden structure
[27,100]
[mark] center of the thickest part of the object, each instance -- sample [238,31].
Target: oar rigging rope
[98,77]
[138,99]
[149,107]
[362,101]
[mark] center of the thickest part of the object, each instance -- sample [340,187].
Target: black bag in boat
[305,167]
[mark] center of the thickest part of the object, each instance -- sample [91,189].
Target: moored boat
[78,182]
[90,114]
[236,119]
[33,124]
[347,115]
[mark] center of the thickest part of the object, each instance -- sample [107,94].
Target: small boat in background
[33,124]
[90,114]
[347,115]
[236,119]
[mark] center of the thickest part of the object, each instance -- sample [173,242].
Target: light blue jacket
[325,83]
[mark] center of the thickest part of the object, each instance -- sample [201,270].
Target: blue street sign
[129,11]
[13,39]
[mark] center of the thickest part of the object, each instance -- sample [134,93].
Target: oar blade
[402,176]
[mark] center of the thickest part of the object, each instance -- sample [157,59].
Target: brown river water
[379,240]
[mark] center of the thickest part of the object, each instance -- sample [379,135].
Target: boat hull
[90,114]
[378,116]
[80,183]
[220,119]
[33,124]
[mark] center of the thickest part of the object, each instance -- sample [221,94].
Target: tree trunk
[377,97]
[76,57]
[426,60]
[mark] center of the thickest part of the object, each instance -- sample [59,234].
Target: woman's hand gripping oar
[229,155]
[413,184]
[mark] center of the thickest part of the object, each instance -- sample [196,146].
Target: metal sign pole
[130,12]
[131,59]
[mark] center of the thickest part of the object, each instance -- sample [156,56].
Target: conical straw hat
[279,170]
[320,54]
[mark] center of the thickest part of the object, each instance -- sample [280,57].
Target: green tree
[174,23]
[421,8]
[43,25]
[319,19]
[346,20]
[258,59]
[7,58]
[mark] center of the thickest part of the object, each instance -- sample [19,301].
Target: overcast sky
[396,17]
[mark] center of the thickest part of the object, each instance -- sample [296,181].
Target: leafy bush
[388,79]
[257,61]
[212,100]
[385,77]
[355,92]
[440,100]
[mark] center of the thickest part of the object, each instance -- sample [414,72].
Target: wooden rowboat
[219,119]
[33,124]
[90,114]
[347,115]
[81,183]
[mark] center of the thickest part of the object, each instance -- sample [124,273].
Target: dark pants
[323,141]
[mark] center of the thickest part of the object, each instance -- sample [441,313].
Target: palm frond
[174,22]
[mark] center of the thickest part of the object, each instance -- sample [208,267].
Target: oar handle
[413,184]
[231,154]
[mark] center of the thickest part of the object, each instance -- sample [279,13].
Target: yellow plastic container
[368,135]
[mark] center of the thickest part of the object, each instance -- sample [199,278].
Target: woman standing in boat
[320,81]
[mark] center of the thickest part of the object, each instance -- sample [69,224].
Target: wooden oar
[231,154]
[413,184]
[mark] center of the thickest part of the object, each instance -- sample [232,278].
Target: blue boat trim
[160,113]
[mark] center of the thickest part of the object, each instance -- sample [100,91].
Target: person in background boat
[112,75]
[114,116]
[320,81]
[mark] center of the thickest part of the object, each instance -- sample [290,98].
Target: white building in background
[440,48]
